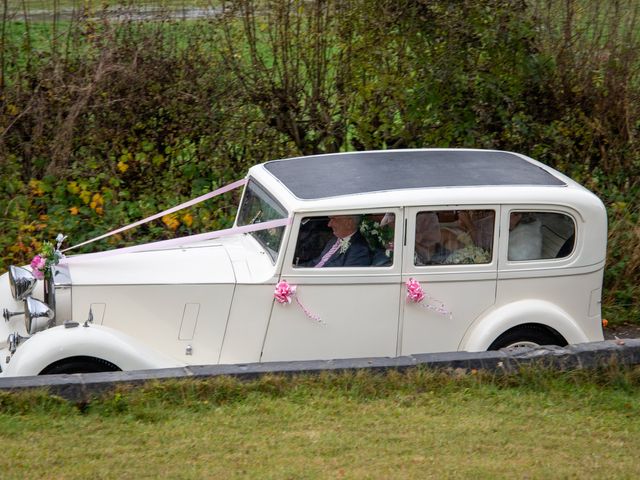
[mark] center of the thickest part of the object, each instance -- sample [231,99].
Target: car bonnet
[202,264]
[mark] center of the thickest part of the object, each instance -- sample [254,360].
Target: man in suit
[347,248]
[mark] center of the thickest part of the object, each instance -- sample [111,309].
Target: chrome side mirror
[38,316]
[8,314]
[21,281]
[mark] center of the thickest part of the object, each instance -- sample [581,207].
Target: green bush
[104,122]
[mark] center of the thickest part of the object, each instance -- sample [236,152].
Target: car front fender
[485,330]
[58,343]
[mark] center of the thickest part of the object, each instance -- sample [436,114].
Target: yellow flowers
[171,221]
[97,201]
[94,200]
[123,160]
[36,187]
[72,187]
[85,196]
[122,166]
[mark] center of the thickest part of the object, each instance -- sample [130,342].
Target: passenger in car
[429,249]
[525,236]
[479,225]
[347,248]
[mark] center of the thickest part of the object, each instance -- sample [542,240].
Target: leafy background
[108,115]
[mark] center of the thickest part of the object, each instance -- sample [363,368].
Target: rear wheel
[80,365]
[528,336]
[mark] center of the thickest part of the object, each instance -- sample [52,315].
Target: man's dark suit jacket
[358,253]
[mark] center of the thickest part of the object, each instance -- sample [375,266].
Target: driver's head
[344,225]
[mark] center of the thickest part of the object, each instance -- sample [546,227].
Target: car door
[339,311]
[451,253]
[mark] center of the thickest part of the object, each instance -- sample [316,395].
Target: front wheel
[80,364]
[528,336]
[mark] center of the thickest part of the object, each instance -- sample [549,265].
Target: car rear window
[540,235]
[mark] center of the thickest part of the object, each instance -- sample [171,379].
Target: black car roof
[322,176]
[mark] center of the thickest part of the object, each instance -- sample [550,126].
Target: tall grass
[361,386]
[368,386]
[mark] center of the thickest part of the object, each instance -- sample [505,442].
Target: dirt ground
[627,330]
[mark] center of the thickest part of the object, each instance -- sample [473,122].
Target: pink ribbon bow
[285,293]
[416,294]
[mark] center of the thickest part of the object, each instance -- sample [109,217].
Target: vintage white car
[364,254]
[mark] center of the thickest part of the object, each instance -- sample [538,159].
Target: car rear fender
[484,331]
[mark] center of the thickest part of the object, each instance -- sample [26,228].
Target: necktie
[329,254]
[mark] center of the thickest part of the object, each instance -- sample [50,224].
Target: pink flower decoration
[284,292]
[415,293]
[37,266]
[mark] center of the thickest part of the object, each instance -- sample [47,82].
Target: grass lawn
[415,425]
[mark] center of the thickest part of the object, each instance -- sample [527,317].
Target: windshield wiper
[257,217]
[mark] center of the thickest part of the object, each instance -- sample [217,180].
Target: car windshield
[257,207]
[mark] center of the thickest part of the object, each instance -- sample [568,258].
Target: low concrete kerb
[84,387]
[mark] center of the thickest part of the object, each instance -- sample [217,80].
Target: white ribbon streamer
[179,242]
[194,201]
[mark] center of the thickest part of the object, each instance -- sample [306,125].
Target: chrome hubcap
[523,344]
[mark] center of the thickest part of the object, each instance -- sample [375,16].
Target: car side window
[451,237]
[357,240]
[540,235]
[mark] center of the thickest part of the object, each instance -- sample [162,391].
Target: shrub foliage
[106,118]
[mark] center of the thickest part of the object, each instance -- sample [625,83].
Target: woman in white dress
[525,237]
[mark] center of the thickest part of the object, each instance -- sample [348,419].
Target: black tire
[528,335]
[80,365]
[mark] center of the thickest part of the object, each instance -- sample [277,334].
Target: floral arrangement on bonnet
[49,256]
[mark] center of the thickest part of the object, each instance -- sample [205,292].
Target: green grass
[418,425]
[32,41]
[34,5]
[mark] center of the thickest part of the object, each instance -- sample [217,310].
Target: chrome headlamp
[38,316]
[21,281]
